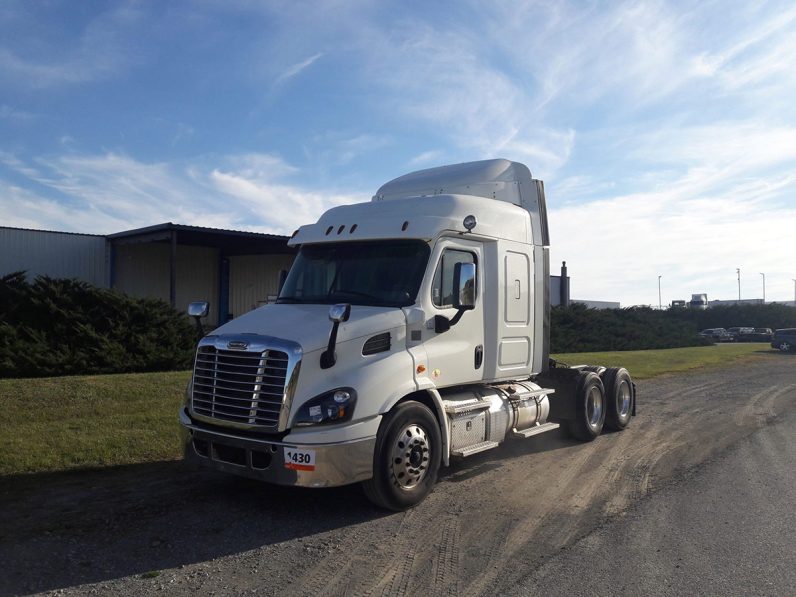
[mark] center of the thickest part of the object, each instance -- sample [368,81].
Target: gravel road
[727,529]
[498,522]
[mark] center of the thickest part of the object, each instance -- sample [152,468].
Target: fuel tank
[487,413]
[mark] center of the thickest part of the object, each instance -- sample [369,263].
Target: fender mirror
[197,310]
[337,315]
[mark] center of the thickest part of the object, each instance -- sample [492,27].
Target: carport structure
[234,270]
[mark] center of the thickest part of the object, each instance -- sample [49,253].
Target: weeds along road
[494,520]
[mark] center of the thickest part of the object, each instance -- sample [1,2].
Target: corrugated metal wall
[143,270]
[252,278]
[55,254]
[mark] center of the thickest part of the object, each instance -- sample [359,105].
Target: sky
[665,132]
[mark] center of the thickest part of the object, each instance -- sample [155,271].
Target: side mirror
[340,312]
[337,315]
[199,309]
[464,286]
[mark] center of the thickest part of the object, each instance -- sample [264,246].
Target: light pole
[794,291]
[660,305]
[738,271]
[764,287]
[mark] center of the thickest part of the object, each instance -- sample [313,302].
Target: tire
[406,459]
[589,407]
[785,346]
[619,396]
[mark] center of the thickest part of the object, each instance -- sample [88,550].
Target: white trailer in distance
[410,330]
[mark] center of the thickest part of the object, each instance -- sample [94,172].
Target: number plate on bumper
[299,460]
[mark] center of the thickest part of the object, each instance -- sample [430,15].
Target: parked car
[784,339]
[717,335]
[740,334]
[759,335]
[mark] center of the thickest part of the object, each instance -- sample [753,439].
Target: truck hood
[309,325]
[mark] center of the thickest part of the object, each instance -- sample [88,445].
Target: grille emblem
[237,345]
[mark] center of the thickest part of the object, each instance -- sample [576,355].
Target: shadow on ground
[102,524]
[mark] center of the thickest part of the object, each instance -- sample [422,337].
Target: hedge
[579,329]
[68,327]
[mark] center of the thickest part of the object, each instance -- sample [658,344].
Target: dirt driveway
[492,519]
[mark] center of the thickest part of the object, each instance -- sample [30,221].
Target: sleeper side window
[442,288]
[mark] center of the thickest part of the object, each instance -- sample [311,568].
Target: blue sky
[665,132]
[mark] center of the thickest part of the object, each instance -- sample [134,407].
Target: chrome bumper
[335,464]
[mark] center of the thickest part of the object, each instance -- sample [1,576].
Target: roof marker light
[470,222]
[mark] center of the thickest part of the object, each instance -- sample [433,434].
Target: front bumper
[335,464]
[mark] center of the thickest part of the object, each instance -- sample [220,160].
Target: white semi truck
[411,330]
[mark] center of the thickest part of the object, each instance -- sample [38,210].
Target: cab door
[455,356]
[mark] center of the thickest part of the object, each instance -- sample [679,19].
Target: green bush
[579,329]
[68,327]
[726,316]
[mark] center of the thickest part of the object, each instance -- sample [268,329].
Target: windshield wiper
[364,295]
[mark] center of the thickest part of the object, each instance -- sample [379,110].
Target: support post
[173,270]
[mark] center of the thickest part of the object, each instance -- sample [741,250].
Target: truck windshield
[379,273]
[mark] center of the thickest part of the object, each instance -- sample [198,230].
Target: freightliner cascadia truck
[410,331]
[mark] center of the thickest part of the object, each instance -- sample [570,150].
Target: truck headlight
[335,406]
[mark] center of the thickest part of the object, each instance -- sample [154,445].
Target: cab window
[442,288]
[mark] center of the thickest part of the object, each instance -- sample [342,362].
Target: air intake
[377,344]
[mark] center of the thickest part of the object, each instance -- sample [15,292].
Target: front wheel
[785,346]
[406,459]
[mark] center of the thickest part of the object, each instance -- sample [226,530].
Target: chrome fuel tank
[487,413]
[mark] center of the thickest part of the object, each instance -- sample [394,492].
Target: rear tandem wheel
[589,407]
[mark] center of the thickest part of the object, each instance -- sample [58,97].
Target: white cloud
[295,69]
[427,157]
[101,49]
[112,192]
[616,251]
[10,113]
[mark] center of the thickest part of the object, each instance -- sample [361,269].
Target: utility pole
[738,271]
[794,291]
[764,287]
[660,305]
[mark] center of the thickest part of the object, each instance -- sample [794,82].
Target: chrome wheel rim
[594,407]
[624,399]
[785,347]
[411,455]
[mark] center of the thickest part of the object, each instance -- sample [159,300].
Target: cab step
[475,448]
[535,430]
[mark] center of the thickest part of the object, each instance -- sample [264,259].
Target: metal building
[235,271]
[54,254]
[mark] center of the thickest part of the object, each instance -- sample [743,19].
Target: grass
[62,423]
[644,364]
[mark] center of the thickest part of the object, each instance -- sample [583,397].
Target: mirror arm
[328,358]
[199,329]
[457,317]
[443,324]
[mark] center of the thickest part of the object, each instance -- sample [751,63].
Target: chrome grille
[242,387]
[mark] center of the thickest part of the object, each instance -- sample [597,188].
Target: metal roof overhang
[228,242]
